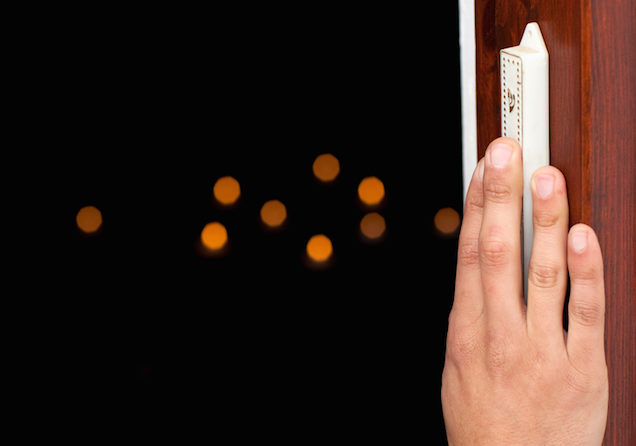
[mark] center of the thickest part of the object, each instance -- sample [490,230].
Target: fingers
[468,302]
[547,274]
[499,238]
[586,310]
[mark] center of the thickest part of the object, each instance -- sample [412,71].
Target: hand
[512,376]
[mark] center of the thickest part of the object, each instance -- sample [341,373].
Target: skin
[512,375]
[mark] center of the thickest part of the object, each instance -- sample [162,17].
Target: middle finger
[499,238]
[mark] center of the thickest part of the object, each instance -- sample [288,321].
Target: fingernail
[579,241]
[500,155]
[544,185]
[481,169]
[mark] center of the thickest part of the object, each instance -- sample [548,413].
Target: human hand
[512,375]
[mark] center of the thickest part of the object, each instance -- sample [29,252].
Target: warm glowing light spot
[273,213]
[214,236]
[372,225]
[326,167]
[446,221]
[227,190]
[319,248]
[371,191]
[89,219]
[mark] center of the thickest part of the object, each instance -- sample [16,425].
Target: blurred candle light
[227,190]
[372,226]
[326,167]
[446,221]
[89,219]
[371,191]
[319,248]
[214,236]
[273,213]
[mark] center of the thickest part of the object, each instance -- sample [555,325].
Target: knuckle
[543,276]
[496,360]
[586,313]
[544,219]
[594,383]
[586,276]
[462,344]
[497,192]
[497,356]
[577,382]
[474,202]
[494,253]
[462,347]
[468,254]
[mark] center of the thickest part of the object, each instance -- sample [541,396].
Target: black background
[146,110]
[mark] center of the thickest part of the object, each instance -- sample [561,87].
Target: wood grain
[592,47]
[610,175]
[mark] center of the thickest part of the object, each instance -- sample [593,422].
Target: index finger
[468,302]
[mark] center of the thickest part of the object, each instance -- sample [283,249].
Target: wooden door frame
[592,46]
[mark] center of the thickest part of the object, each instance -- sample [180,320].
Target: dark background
[147,109]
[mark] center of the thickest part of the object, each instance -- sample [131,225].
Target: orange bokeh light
[446,221]
[214,236]
[89,219]
[319,248]
[371,191]
[273,213]
[326,167]
[372,225]
[227,190]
